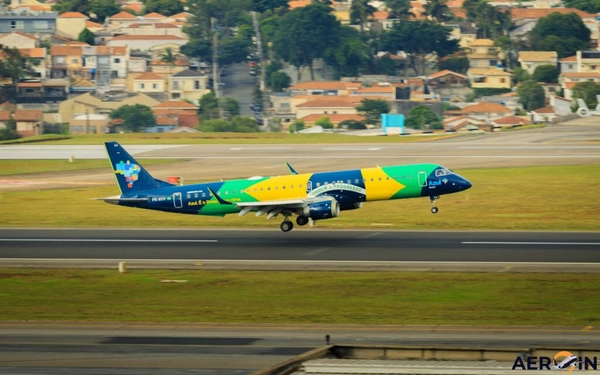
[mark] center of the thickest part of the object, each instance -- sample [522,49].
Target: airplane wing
[116,199]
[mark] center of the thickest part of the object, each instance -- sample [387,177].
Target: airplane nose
[464,184]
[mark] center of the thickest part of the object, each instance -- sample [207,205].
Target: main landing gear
[287,225]
[434,209]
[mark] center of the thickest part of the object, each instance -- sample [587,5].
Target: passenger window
[387,178]
[269,188]
[356,181]
[203,195]
[372,179]
[276,187]
[227,192]
[318,184]
[189,196]
[283,187]
[410,176]
[379,178]
[300,185]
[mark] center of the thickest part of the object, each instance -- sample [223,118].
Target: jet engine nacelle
[326,209]
[351,206]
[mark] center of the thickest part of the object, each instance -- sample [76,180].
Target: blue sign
[392,120]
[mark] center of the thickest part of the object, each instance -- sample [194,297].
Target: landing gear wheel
[287,226]
[301,220]
[434,209]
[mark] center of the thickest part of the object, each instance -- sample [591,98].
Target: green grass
[20,167]
[224,138]
[556,198]
[301,297]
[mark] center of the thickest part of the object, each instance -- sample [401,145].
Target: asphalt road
[215,349]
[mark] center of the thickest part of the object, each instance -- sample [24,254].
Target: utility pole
[262,87]
[215,64]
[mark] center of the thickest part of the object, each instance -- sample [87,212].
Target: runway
[302,249]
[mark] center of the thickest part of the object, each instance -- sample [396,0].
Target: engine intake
[327,209]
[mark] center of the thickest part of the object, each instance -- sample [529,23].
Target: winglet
[290,168]
[219,199]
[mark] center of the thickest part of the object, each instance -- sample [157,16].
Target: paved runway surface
[309,244]
[216,349]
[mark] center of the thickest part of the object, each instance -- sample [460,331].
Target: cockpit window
[443,172]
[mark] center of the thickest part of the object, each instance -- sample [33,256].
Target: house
[95,103]
[568,64]
[188,85]
[446,79]
[39,59]
[569,80]
[329,106]
[18,39]
[122,19]
[543,114]
[463,31]
[489,78]
[335,119]
[483,54]
[29,122]
[530,60]
[525,19]
[66,61]
[149,83]
[185,113]
[388,92]
[93,26]
[89,123]
[145,42]
[562,106]
[510,122]
[5,116]
[340,88]
[48,90]
[486,111]
[465,123]
[154,29]
[71,24]
[40,24]
[106,65]
[137,65]
[162,67]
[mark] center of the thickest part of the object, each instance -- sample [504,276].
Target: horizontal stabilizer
[117,199]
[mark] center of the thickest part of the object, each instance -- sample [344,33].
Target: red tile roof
[72,15]
[66,50]
[570,58]
[445,72]
[546,109]
[29,115]
[90,24]
[536,13]
[325,85]
[190,121]
[4,115]
[175,104]
[34,53]
[486,107]
[154,15]
[512,120]
[147,37]
[148,77]
[122,16]
[23,34]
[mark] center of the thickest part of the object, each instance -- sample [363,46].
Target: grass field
[532,198]
[19,167]
[222,138]
[301,297]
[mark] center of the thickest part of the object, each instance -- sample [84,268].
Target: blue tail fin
[131,176]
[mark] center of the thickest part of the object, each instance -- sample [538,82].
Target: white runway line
[532,243]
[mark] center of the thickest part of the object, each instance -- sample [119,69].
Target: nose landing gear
[434,209]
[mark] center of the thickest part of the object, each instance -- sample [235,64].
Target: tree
[324,122]
[164,7]
[279,81]
[437,10]
[168,56]
[590,6]
[198,48]
[350,55]
[399,9]
[296,126]
[531,95]
[231,106]
[233,50]
[101,9]
[372,109]
[587,91]
[564,33]
[546,73]
[209,106]
[508,48]
[15,66]
[305,33]
[135,117]
[262,6]
[419,39]
[492,22]
[352,124]
[244,124]
[81,6]
[422,117]
[458,63]
[521,74]
[87,36]
[360,10]
[238,124]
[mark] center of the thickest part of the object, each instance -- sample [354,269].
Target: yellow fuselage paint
[379,185]
[280,187]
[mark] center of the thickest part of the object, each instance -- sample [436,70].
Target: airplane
[584,111]
[309,196]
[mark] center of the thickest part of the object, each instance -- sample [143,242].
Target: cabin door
[422,178]
[177,200]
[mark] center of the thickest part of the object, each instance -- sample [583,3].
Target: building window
[502,80]
[570,66]
[154,85]
[493,62]
[175,85]
[74,61]
[17,25]
[196,85]
[141,86]
[60,59]
[117,61]
[40,25]
[176,96]
[114,74]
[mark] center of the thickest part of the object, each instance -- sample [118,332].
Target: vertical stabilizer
[131,176]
